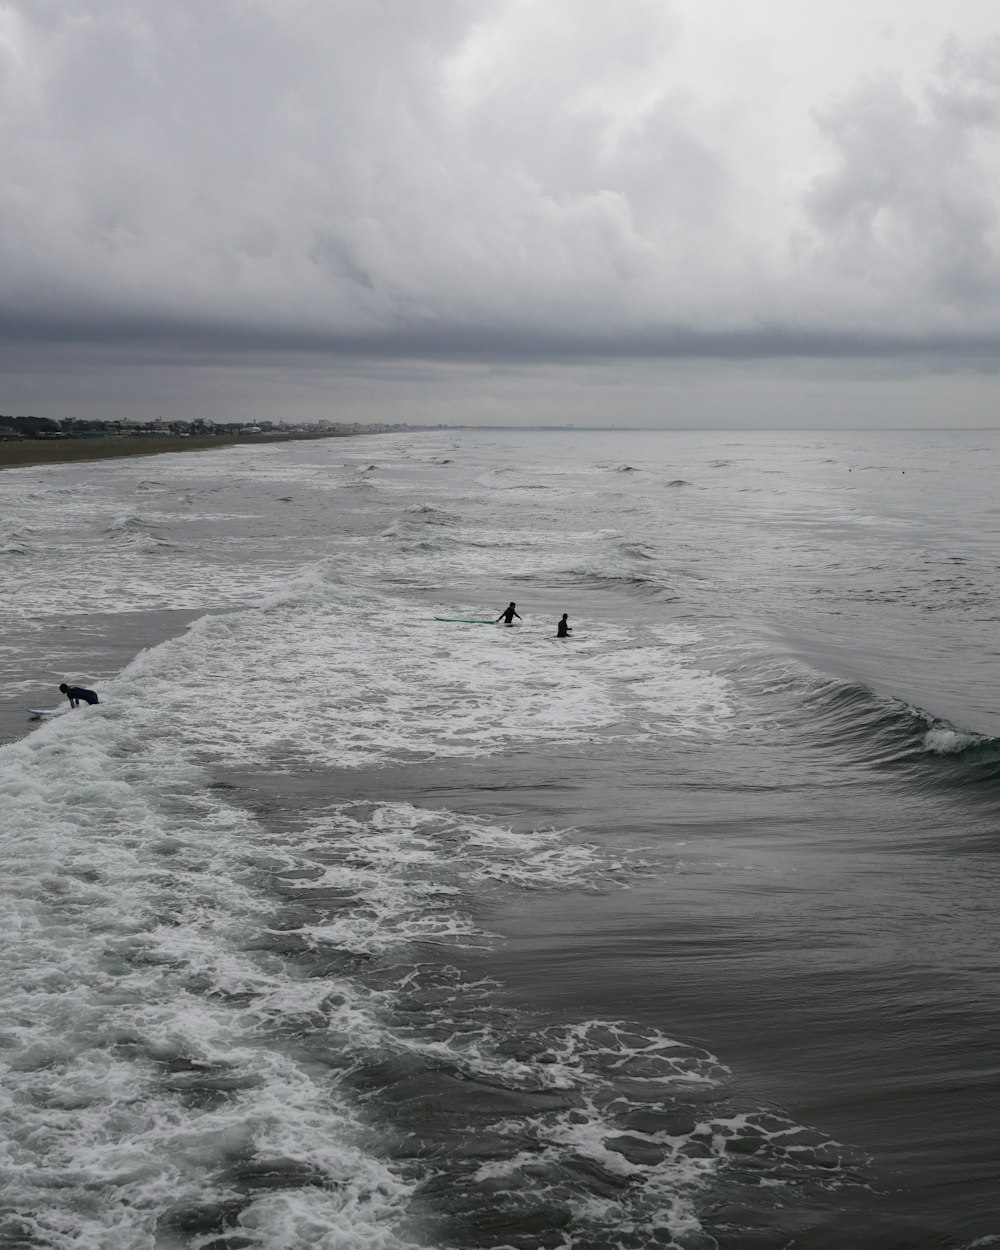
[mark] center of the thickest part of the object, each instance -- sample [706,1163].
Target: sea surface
[339,927]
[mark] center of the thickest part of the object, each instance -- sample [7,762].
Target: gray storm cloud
[909,211]
[506,180]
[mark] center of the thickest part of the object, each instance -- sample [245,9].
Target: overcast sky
[649,212]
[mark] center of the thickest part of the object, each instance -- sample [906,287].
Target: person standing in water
[508,614]
[564,628]
[77,695]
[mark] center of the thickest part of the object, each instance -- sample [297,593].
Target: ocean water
[336,926]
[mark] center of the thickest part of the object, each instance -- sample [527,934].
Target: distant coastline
[28,452]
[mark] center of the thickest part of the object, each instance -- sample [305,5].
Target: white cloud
[470,176]
[909,211]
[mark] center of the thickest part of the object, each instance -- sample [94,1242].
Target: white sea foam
[655,1156]
[943,740]
[133,1006]
[362,677]
[686,699]
[146,1003]
[192,989]
[94,550]
[94,555]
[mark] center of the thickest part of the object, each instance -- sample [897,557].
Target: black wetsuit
[562,630]
[77,694]
[507,616]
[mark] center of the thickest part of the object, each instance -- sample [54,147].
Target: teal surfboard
[467,620]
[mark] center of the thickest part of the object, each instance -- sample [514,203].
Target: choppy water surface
[338,926]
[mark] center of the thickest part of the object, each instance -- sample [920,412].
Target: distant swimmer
[564,628]
[77,695]
[508,614]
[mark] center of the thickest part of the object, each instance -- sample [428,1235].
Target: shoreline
[41,451]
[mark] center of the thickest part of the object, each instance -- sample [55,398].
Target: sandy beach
[58,450]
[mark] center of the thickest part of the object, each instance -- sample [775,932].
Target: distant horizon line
[727,429]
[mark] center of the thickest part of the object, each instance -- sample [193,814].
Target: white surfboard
[39,712]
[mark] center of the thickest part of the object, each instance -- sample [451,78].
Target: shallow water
[339,926]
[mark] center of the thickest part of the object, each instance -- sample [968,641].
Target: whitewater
[338,926]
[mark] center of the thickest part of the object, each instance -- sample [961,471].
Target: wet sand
[37,451]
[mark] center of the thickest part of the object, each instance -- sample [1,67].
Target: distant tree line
[35,427]
[68,425]
[48,427]
[31,425]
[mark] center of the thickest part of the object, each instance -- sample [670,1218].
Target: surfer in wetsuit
[564,628]
[77,695]
[508,614]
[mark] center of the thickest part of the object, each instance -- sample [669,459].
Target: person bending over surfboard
[77,695]
[508,614]
[564,628]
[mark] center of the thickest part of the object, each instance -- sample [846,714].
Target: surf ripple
[622,1138]
[637,551]
[891,734]
[599,579]
[416,518]
[129,524]
[609,1131]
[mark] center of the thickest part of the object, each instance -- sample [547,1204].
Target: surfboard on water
[45,711]
[468,620]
